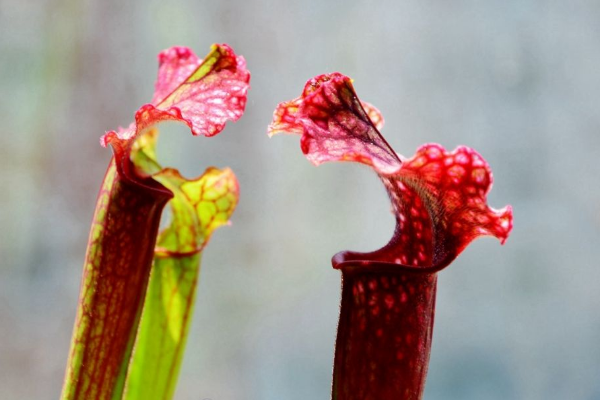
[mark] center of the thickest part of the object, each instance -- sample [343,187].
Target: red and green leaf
[198,207]
[203,95]
[388,296]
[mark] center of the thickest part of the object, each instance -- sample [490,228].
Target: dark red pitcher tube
[384,332]
[115,277]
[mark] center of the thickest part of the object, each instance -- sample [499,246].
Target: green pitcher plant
[139,284]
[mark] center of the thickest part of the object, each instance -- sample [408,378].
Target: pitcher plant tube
[388,296]
[111,351]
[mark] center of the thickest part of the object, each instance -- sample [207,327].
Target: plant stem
[116,271]
[384,333]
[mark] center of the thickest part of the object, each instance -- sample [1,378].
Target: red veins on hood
[438,197]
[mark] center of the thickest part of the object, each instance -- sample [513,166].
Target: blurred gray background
[517,80]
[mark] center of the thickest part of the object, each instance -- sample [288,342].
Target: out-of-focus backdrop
[517,80]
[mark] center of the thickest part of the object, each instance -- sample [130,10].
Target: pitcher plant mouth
[439,202]
[438,197]
[203,94]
